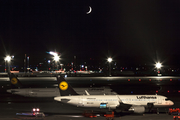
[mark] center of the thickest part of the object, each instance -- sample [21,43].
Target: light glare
[109,59]
[56,58]
[8,58]
[158,65]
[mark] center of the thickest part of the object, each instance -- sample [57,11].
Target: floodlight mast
[7,60]
[158,66]
[56,58]
[109,60]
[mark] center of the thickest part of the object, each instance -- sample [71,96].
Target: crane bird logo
[14,81]
[63,85]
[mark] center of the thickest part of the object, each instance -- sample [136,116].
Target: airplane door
[159,100]
[80,101]
[119,99]
[129,100]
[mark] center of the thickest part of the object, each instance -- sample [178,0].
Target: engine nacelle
[105,105]
[112,106]
[137,109]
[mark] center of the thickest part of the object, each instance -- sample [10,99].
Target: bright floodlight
[109,59]
[7,58]
[158,65]
[56,58]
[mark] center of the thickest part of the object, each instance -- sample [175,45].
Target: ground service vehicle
[89,114]
[175,111]
[176,117]
[109,115]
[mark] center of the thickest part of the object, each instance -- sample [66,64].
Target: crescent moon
[90,9]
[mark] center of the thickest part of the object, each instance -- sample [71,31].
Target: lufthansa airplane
[50,92]
[135,103]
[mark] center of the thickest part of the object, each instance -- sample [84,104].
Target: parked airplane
[135,103]
[50,92]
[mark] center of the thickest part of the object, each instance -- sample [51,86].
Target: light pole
[7,59]
[28,64]
[49,62]
[56,59]
[109,60]
[61,67]
[158,66]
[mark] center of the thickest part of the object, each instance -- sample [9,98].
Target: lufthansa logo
[63,85]
[146,97]
[14,81]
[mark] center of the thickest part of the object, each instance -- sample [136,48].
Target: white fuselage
[53,92]
[90,100]
[113,101]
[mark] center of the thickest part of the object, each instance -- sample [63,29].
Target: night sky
[132,31]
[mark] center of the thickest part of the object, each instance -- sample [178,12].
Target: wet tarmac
[12,104]
[59,111]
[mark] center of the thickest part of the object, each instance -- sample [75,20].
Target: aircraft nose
[57,99]
[171,103]
[12,91]
[9,91]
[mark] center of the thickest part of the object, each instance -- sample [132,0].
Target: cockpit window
[167,99]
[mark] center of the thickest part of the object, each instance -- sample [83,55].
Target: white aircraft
[135,103]
[51,92]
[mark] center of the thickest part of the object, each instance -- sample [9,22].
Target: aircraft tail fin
[14,80]
[65,89]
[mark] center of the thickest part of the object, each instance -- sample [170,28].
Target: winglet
[86,92]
